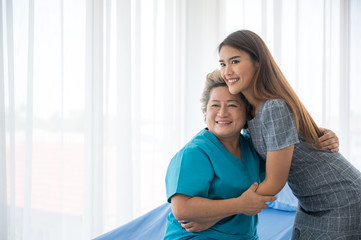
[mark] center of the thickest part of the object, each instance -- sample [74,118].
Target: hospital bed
[275,223]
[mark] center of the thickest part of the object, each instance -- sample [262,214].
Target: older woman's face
[226,113]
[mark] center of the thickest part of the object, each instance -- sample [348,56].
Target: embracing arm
[278,165]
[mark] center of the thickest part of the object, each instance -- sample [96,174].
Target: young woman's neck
[256,104]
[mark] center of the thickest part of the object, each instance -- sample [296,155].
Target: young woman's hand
[329,140]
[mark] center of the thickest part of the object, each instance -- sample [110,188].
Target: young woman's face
[237,69]
[226,113]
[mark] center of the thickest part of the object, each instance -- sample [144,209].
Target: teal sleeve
[253,153]
[190,172]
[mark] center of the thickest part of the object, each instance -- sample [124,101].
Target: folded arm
[197,213]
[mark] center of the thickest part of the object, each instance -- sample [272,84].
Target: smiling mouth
[223,122]
[232,80]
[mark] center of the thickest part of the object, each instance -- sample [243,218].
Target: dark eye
[222,64]
[214,105]
[235,61]
[232,105]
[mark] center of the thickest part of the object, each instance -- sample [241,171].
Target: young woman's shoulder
[275,106]
[274,110]
[276,103]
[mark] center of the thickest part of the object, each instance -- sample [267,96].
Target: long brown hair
[270,83]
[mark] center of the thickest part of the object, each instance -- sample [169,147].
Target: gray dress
[327,186]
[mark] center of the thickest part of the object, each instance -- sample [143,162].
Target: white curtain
[97,96]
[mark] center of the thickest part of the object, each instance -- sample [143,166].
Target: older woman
[215,175]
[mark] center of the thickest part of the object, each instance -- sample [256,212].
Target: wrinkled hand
[252,202]
[329,140]
[197,226]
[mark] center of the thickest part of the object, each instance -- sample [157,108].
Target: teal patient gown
[205,168]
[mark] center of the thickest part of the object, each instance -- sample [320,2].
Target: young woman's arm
[198,209]
[278,165]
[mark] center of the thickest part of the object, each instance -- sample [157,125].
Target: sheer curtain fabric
[97,96]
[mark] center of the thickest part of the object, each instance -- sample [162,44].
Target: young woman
[283,133]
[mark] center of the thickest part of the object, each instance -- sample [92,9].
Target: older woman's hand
[329,140]
[251,203]
[197,226]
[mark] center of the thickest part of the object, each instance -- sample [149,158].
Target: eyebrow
[230,58]
[231,100]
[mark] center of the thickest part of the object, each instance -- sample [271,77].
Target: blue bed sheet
[273,224]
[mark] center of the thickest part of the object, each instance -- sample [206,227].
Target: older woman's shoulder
[245,138]
[203,141]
